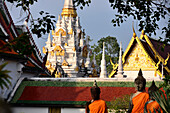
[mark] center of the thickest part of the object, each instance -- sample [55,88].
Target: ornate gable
[137,59]
[63,32]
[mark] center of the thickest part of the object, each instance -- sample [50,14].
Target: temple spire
[58,21]
[48,43]
[120,67]
[69,9]
[60,38]
[103,73]
[81,40]
[87,64]
[94,59]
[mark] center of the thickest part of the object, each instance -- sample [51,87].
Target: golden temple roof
[69,9]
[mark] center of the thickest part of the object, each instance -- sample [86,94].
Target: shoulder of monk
[101,101]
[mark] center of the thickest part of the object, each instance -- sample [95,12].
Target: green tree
[120,104]
[111,51]
[39,26]
[147,12]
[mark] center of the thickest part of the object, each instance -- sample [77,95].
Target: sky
[95,19]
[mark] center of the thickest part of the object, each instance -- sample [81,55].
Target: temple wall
[45,110]
[14,73]
[90,79]
[30,110]
[72,110]
[148,75]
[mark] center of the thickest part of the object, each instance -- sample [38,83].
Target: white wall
[146,74]
[12,66]
[30,110]
[72,110]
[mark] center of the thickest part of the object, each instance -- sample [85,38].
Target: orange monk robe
[98,106]
[139,102]
[153,105]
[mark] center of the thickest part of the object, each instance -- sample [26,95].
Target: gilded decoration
[44,50]
[74,49]
[69,11]
[59,51]
[85,52]
[52,53]
[137,59]
[47,63]
[63,33]
[53,44]
[77,68]
[71,31]
[64,63]
[50,67]
[114,66]
[57,75]
[66,44]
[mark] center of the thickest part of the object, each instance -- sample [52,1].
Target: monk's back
[139,102]
[98,106]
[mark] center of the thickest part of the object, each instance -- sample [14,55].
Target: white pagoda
[67,48]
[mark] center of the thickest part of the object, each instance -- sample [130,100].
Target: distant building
[68,48]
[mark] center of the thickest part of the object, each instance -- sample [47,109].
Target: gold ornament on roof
[44,50]
[57,75]
[134,34]
[64,63]
[58,48]
[66,44]
[53,33]
[59,51]
[53,44]
[77,68]
[74,49]
[52,53]
[71,31]
[143,32]
[166,60]
[136,58]
[63,33]
[67,12]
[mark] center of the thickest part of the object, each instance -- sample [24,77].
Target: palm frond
[4,77]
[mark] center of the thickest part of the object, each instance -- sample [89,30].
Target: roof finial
[134,34]
[143,32]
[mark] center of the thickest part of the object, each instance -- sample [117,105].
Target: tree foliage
[111,51]
[147,12]
[39,26]
[120,104]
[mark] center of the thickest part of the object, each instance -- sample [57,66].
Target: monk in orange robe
[96,105]
[152,105]
[138,99]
